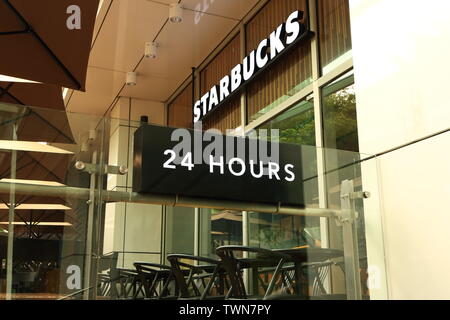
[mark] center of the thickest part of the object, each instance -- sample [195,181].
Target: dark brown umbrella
[47,123]
[38,45]
[36,124]
[32,94]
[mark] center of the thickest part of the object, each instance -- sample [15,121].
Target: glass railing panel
[132,231]
[323,240]
[362,172]
[47,219]
[76,227]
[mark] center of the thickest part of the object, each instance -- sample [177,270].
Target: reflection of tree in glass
[271,237]
[340,119]
[299,129]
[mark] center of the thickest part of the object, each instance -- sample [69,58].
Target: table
[307,254]
[276,260]
[300,257]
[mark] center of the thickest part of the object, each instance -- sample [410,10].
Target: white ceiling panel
[119,48]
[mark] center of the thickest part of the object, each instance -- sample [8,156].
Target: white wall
[130,227]
[401,53]
[415,192]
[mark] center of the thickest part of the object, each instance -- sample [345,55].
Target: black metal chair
[108,275]
[104,285]
[114,282]
[198,277]
[320,271]
[273,262]
[313,274]
[155,280]
[127,283]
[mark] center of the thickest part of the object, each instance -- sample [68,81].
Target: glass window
[180,230]
[267,230]
[295,125]
[339,114]
[342,160]
[221,65]
[334,31]
[219,228]
[288,75]
[228,115]
[180,109]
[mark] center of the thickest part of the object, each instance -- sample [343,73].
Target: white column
[133,229]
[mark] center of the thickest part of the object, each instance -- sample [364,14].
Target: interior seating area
[237,272]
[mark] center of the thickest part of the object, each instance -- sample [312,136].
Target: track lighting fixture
[131,79]
[175,13]
[151,50]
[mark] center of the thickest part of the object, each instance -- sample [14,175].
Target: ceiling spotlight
[175,13]
[131,78]
[151,50]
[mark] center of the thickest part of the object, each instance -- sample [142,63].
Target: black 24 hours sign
[184,162]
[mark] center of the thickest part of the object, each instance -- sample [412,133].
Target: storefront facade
[308,95]
[359,92]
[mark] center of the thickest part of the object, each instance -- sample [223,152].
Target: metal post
[246,242]
[12,203]
[104,169]
[196,231]
[350,240]
[168,200]
[89,232]
[318,122]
